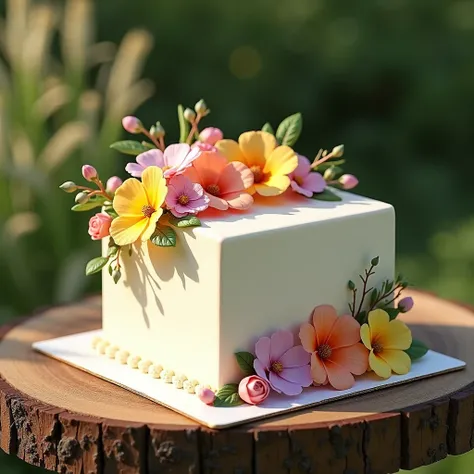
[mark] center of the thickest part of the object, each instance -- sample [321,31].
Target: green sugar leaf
[164,236]
[392,312]
[327,195]
[186,221]
[183,125]
[417,350]
[228,396]
[92,203]
[95,265]
[245,361]
[289,129]
[268,128]
[130,147]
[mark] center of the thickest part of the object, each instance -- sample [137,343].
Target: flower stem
[365,291]
[102,190]
[158,145]
[318,161]
[194,128]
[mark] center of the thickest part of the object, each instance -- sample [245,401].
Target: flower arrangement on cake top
[171,185]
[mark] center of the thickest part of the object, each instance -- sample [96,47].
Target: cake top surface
[283,212]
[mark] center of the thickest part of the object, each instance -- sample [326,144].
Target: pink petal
[195,191]
[217,203]
[283,386]
[299,375]
[151,158]
[281,341]
[296,187]
[303,168]
[295,357]
[134,169]
[235,177]
[314,182]
[175,154]
[240,201]
[183,209]
[178,214]
[262,350]
[260,369]
[345,332]
[190,157]
[172,197]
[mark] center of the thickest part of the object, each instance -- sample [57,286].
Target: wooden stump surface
[57,417]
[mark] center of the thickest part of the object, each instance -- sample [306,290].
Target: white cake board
[76,350]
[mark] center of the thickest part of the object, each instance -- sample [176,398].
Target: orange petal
[217,203]
[235,177]
[339,376]
[345,332]
[324,317]
[256,147]
[240,201]
[209,167]
[281,162]
[308,337]
[318,371]
[355,358]
[231,150]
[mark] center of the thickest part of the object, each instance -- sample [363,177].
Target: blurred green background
[391,79]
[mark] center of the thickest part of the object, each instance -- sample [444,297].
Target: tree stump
[65,420]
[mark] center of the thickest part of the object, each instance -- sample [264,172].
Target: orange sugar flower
[334,343]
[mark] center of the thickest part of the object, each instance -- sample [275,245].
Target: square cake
[242,275]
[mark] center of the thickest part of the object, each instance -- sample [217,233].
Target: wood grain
[62,419]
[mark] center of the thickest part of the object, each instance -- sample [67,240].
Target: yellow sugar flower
[387,340]
[270,164]
[138,205]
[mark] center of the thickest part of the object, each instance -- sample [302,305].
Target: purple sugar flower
[185,197]
[284,365]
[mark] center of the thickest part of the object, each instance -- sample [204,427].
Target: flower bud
[405,304]
[338,151]
[159,131]
[330,173]
[201,108]
[348,181]
[113,183]
[132,124]
[189,115]
[211,135]
[68,187]
[375,261]
[89,173]
[116,275]
[82,198]
[206,395]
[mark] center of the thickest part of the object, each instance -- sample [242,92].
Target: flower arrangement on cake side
[171,185]
[329,350]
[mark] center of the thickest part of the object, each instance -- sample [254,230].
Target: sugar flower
[174,160]
[270,164]
[334,344]
[387,341]
[348,181]
[89,173]
[406,304]
[253,389]
[185,197]
[304,181]
[99,226]
[211,135]
[138,205]
[132,124]
[224,183]
[282,364]
[113,184]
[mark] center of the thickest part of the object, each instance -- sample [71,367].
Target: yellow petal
[155,186]
[378,322]
[282,161]
[397,337]
[130,198]
[274,186]
[151,225]
[231,150]
[399,361]
[256,147]
[365,336]
[126,230]
[379,366]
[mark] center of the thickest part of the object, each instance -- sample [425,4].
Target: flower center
[213,189]
[165,168]
[377,347]
[183,199]
[148,211]
[324,351]
[258,173]
[276,367]
[298,180]
[258,385]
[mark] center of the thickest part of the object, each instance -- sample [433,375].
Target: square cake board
[76,350]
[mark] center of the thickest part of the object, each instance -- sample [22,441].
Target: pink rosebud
[211,135]
[113,183]
[406,304]
[132,124]
[348,181]
[99,226]
[89,172]
[206,395]
[253,389]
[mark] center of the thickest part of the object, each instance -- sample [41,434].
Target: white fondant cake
[240,276]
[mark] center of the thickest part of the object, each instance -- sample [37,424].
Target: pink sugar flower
[224,183]
[211,135]
[204,146]
[99,226]
[282,364]
[185,197]
[175,159]
[304,181]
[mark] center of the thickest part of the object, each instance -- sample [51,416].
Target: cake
[217,254]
